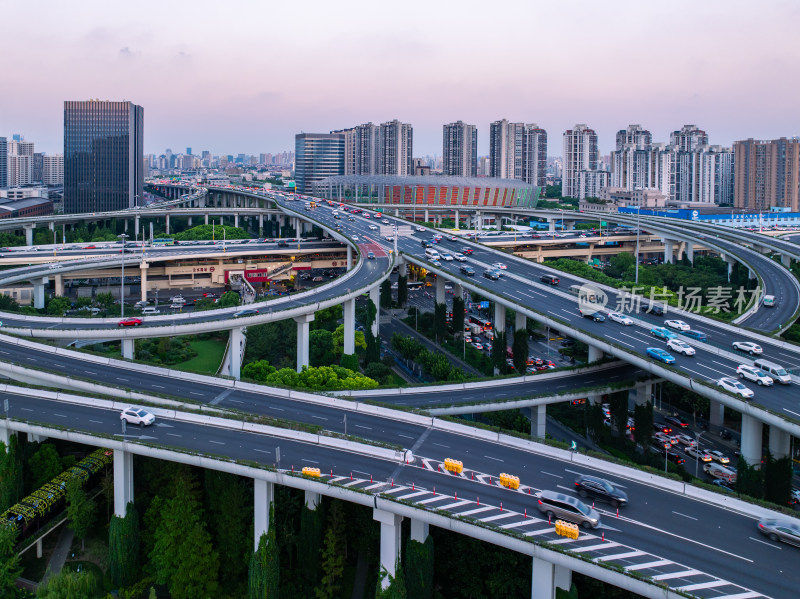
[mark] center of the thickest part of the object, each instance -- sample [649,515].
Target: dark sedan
[599,488]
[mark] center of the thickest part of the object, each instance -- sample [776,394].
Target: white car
[460,257]
[499,265]
[700,454]
[665,438]
[355,237]
[751,373]
[373,227]
[720,457]
[735,387]
[620,318]
[385,221]
[138,416]
[686,440]
[746,346]
[678,325]
[681,347]
[177,299]
[421,229]
[447,257]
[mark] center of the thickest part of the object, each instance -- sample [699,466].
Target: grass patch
[209,356]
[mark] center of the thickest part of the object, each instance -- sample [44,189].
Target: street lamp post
[638,229]
[123,237]
[697,453]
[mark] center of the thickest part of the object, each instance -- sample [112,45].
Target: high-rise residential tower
[767,174]
[3,163]
[317,156]
[581,177]
[394,143]
[631,165]
[460,150]
[518,151]
[103,156]
[19,161]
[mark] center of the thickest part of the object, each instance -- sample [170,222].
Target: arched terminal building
[428,190]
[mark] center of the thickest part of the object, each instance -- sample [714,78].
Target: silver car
[560,506]
[780,530]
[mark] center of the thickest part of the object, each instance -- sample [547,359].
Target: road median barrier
[509,481]
[454,466]
[567,529]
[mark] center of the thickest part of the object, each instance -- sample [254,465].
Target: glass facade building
[103,156]
[317,156]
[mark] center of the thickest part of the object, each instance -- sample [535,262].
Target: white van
[768,301]
[431,253]
[149,311]
[776,371]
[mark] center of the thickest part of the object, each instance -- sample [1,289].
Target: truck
[719,471]
[768,301]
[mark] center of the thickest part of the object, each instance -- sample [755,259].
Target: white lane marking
[274,408]
[375,486]
[521,523]
[791,412]
[616,484]
[96,421]
[309,461]
[605,558]
[262,451]
[405,436]
[543,531]
[353,482]
[416,494]
[498,517]
[319,417]
[432,499]
[454,505]
[369,428]
[119,379]
[488,457]
[177,435]
[217,442]
[158,386]
[632,337]
[681,574]
[360,472]
[551,474]
[26,409]
[620,341]
[765,543]
[703,585]
[476,511]
[440,445]
[606,545]
[195,393]
[747,595]
[59,415]
[396,489]
[647,565]
[721,364]
[684,515]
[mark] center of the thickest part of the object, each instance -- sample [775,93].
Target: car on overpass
[593,314]
[140,416]
[735,387]
[776,529]
[130,322]
[620,318]
[246,312]
[697,335]
[751,373]
[660,354]
[754,349]
[491,274]
[467,270]
[681,347]
[678,325]
[662,333]
[599,488]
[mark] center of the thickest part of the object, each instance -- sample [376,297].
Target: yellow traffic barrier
[308,471]
[567,529]
[509,480]
[453,465]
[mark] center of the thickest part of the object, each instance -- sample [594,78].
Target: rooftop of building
[422,180]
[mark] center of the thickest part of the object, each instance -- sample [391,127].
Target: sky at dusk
[246,76]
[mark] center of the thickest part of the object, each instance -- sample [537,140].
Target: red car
[90,247]
[130,322]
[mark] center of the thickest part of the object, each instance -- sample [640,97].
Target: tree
[264,573]
[338,340]
[44,465]
[418,566]
[309,545]
[320,348]
[58,305]
[229,505]
[643,423]
[386,294]
[749,480]
[229,299]
[10,474]
[10,568]
[440,321]
[619,411]
[594,419]
[123,547]
[373,351]
[105,301]
[499,350]
[397,585]
[183,556]
[402,290]
[81,509]
[520,349]
[777,479]
[332,555]
[68,584]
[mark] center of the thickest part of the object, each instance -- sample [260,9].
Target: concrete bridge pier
[235,347]
[349,326]
[440,295]
[458,219]
[390,542]
[136,225]
[419,531]
[349,257]
[595,354]
[205,216]
[29,233]
[123,481]
[59,281]
[39,286]
[64,233]
[551,225]
[520,322]
[312,500]
[538,421]
[786,260]
[669,248]
[302,339]
[166,226]
[143,266]
[640,395]
[779,442]
[716,415]
[127,346]
[547,577]
[375,296]
[751,440]
[236,220]
[263,496]
[189,224]
[427,217]
[260,225]
[499,317]
[5,435]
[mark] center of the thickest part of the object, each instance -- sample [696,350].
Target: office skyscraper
[767,174]
[460,150]
[103,156]
[318,155]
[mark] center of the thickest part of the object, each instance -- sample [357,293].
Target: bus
[415,285]
[485,324]
[583,293]
[163,241]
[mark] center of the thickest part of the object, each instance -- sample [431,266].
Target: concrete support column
[690,251]
[38,292]
[136,224]
[402,268]
[5,435]
[205,216]
[59,281]
[479,221]
[263,496]
[29,234]
[669,247]
[127,348]
[751,440]
[235,347]
[640,394]
[190,222]
[520,322]
[143,278]
[779,442]
[551,225]
[166,226]
[312,500]
[499,317]
[375,296]
[595,354]
[716,414]
[236,220]
[427,220]
[64,233]
[538,421]
[260,225]
[390,541]
[125,225]
[419,531]
[562,577]
[543,583]
[123,481]
[302,339]
[349,257]
[439,287]
[39,549]
[458,290]
[349,326]
[786,260]
[458,219]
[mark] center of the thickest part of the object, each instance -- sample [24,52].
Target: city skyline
[253,89]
